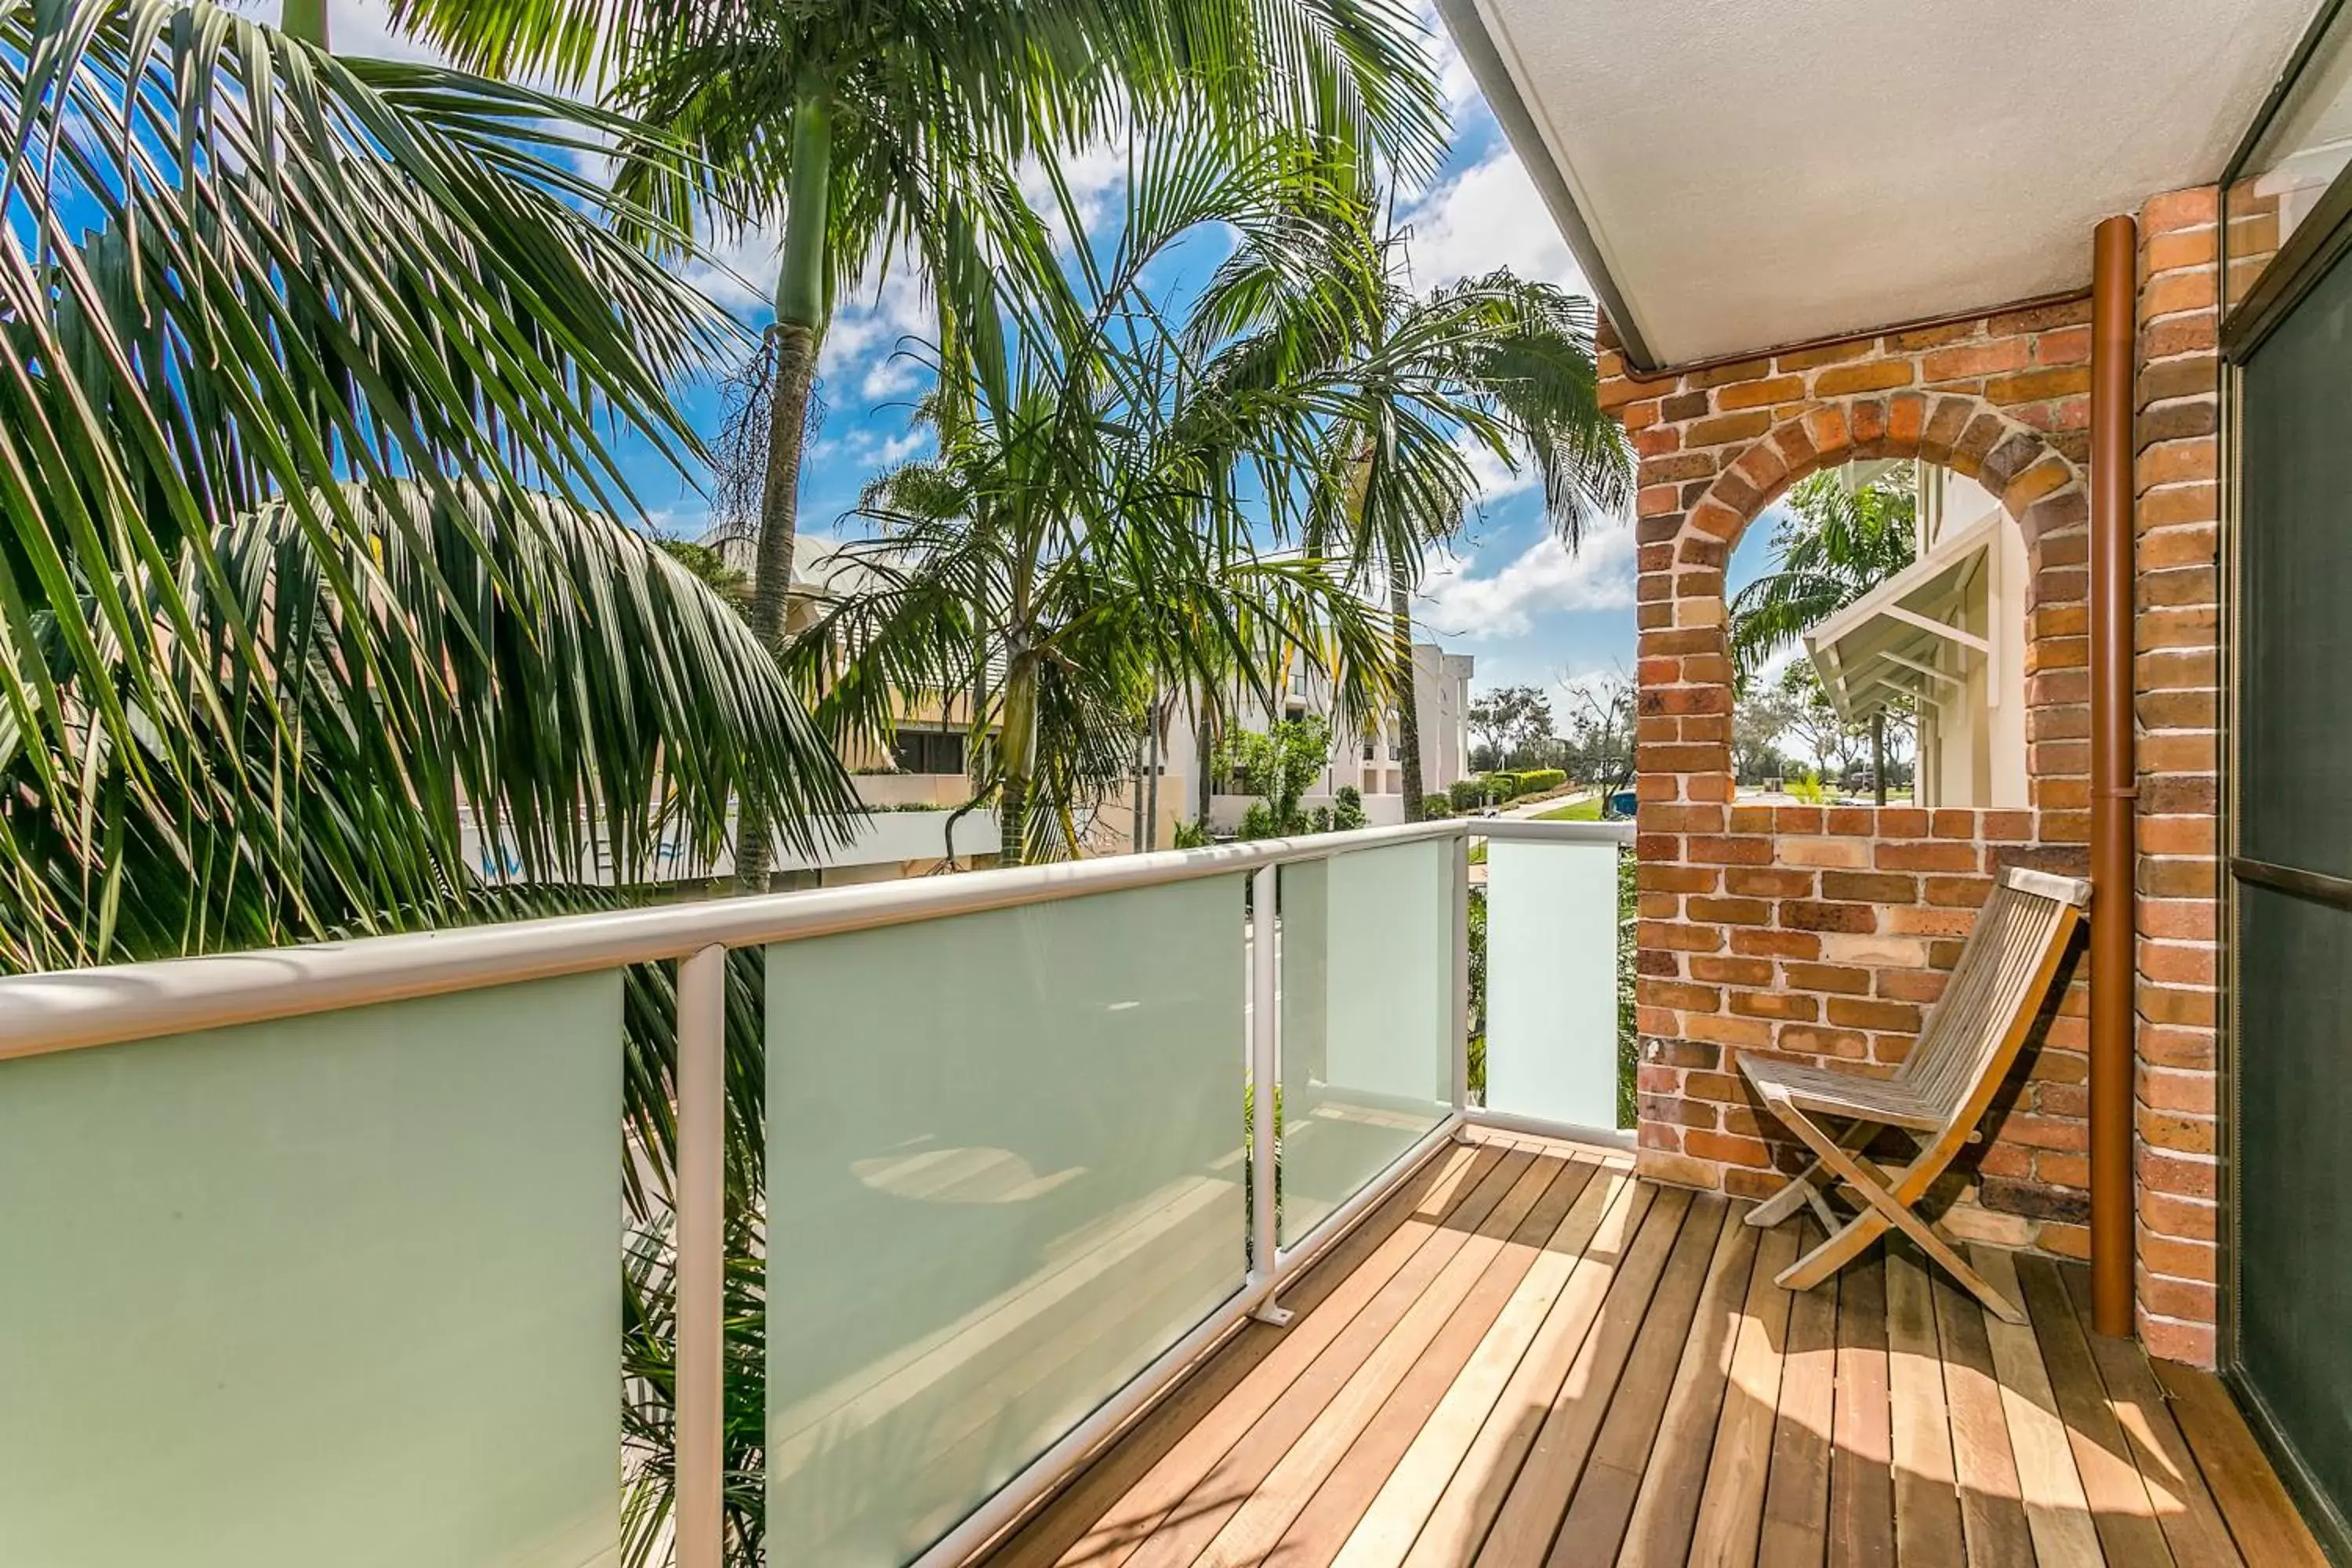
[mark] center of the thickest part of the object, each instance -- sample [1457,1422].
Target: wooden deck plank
[1602,1504]
[1574,1267]
[1795,1531]
[1673,1483]
[1992,1508]
[2056,1510]
[2253,1500]
[2120,1509]
[1516,1505]
[1526,1358]
[1218,1454]
[1563,1219]
[2184,1505]
[1247,1534]
[1253,1442]
[1732,1504]
[1323,1299]
[1536,1496]
[1862,1482]
[1927,1494]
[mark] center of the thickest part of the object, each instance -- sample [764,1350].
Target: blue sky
[1508,594]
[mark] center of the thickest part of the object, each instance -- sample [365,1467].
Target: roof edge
[1463,19]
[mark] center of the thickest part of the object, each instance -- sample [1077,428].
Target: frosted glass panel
[1552,982]
[1004,1173]
[341,1290]
[1367,1018]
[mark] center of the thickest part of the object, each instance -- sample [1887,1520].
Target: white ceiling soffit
[1746,174]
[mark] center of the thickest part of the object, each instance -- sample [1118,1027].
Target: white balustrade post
[1460,1013]
[700,1406]
[1265,1077]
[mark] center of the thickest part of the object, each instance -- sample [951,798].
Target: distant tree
[732,584]
[1758,721]
[1833,741]
[1601,725]
[1277,766]
[1511,721]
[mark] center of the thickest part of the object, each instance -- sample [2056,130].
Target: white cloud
[895,450]
[1488,216]
[1495,478]
[1091,175]
[740,272]
[1542,579]
[893,375]
[1463,98]
[877,324]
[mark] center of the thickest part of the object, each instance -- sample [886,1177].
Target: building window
[1392,751]
[928,751]
[1368,751]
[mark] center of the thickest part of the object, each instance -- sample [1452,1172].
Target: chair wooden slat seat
[1968,1042]
[1827,1092]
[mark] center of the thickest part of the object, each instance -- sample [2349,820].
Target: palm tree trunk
[1878,755]
[1151,778]
[1204,753]
[1018,740]
[306,20]
[1407,705]
[801,312]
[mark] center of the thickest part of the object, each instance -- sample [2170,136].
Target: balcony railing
[317,1246]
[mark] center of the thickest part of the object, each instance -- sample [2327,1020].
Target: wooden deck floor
[1528,1358]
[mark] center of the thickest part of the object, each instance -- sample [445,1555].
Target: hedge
[1538,780]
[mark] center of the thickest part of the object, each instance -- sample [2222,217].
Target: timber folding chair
[1968,1042]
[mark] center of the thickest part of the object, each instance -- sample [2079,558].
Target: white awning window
[1905,639]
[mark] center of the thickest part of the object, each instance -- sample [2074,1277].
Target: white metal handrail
[71,1010]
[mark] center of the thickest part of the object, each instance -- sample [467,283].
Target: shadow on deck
[1527,1357]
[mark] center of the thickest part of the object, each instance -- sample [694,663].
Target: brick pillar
[2176,666]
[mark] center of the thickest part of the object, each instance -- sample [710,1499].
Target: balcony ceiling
[1745,173]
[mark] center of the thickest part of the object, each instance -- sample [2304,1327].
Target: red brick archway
[1819,934]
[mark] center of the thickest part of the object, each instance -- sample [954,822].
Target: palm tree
[309,537]
[1417,383]
[1838,540]
[306,492]
[871,123]
[1083,541]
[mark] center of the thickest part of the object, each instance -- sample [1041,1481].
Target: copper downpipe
[2114,784]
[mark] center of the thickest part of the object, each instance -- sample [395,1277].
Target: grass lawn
[1587,810]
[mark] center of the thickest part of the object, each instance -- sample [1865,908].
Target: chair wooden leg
[1884,1209]
[1793,1196]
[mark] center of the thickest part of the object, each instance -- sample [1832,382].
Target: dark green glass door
[2293,866]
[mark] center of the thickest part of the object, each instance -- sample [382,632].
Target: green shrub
[1258,821]
[1538,780]
[1436,809]
[1348,814]
[1467,794]
[1503,785]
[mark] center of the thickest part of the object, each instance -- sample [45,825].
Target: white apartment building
[1371,765]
